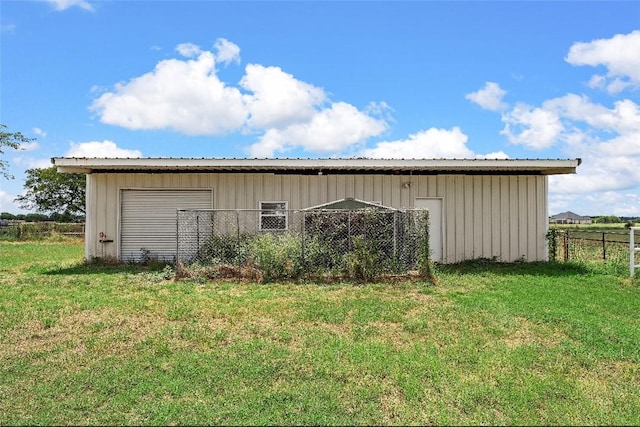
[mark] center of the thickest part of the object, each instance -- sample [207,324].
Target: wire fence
[274,244]
[18,230]
[611,247]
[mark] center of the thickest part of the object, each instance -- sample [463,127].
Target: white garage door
[148,220]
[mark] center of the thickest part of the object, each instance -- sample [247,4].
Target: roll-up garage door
[148,220]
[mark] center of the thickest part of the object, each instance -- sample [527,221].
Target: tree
[607,219]
[51,191]
[10,140]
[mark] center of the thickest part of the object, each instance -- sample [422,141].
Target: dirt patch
[527,333]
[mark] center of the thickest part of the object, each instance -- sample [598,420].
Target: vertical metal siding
[484,216]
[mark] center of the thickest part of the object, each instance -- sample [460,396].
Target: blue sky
[324,79]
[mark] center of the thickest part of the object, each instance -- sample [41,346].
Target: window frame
[275,213]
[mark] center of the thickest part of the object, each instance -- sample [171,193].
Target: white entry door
[435,224]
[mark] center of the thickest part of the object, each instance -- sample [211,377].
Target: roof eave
[89,165]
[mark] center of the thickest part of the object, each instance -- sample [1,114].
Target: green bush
[278,256]
[224,249]
[363,262]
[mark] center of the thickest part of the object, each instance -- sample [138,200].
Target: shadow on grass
[107,267]
[473,267]
[538,268]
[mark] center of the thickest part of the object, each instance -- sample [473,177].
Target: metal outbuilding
[479,208]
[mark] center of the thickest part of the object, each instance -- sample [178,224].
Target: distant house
[569,218]
[479,208]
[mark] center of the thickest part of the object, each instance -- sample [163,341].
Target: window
[273,216]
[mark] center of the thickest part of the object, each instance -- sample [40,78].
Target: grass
[490,344]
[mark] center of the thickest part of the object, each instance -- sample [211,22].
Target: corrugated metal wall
[502,217]
[148,220]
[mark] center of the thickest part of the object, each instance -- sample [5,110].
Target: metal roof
[317,166]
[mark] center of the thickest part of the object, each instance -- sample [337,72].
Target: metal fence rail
[19,230]
[305,243]
[589,245]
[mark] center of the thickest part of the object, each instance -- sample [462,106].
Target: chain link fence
[274,244]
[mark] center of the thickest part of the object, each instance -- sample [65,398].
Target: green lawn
[489,344]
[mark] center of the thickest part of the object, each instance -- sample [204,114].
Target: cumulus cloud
[61,5]
[226,51]
[40,132]
[278,99]
[498,155]
[620,55]
[331,130]
[105,148]
[489,97]
[534,128]
[32,162]
[30,146]
[188,50]
[605,137]
[427,144]
[185,96]
[6,201]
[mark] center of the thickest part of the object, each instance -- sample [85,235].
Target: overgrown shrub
[552,238]
[224,249]
[278,256]
[363,263]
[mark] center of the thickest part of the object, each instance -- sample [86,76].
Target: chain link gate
[361,243]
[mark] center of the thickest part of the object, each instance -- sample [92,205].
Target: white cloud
[66,4]
[31,162]
[495,155]
[606,138]
[599,174]
[602,203]
[105,148]
[188,50]
[278,99]
[29,146]
[185,96]
[489,97]
[226,51]
[381,110]
[620,54]
[331,130]
[6,201]
[40,132]
[427,144]
[534,128]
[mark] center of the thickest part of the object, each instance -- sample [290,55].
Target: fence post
[238,257]
[304,237]
[395,236]
[177,238]
[632,252]
[604,248]
[198,229]
[349,229]
[566,245]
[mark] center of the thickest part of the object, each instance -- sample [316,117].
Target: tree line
[40,217]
